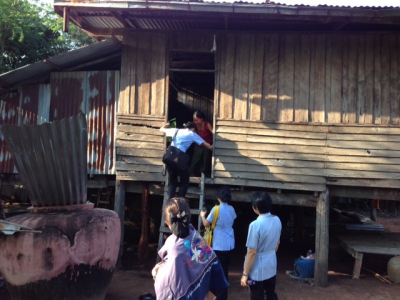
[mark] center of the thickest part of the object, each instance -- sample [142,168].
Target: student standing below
[260,264]
[223,241]
[201,159]
[189,269]
[183,139]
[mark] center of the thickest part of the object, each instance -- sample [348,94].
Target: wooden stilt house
[301,98]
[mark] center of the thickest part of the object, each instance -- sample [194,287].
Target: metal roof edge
[239,7]
[40,68]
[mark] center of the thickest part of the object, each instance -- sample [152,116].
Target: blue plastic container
[304,267]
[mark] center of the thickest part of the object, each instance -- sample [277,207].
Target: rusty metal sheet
[9,116]
[28,109]
[95,94]
[51,160]
[29,106]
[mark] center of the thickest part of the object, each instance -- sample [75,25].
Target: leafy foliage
[30,32]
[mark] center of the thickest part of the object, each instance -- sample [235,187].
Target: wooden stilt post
[2,213]
[298,229]
[373,212]
[143,249]
[119,208]
[322,240]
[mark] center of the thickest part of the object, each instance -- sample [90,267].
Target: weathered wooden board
[269,162]
[155,161]
[270,184]
[252,154]
[380,243]
[124,166]
[140,137]
[380,183]
[271,150]
[253,168]
[139,130]
[131,176]
[337,78]
[146,120]
[139,145]
[158,74]
[271,177]
[364,193]
[269,139]
[272,132]
[140,152]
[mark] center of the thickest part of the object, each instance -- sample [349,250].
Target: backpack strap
[176,132]
[216,211]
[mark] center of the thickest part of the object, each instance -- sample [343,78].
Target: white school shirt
[223,235]
[264,234]
[184,138]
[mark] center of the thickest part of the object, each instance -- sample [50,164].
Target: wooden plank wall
[306,156]
[142,109]
[140,147]
[144,67]
[143,74]
[327,78]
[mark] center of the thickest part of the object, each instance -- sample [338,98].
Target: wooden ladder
[191,193]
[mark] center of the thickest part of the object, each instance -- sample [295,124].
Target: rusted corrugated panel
[9,116]
[51,160]
[29,105]
[95,94]
[103,90]
[67,94]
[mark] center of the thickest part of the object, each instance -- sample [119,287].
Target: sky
[381,3]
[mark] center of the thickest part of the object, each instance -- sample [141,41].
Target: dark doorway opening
[191,85]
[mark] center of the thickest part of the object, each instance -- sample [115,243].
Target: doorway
[191,85]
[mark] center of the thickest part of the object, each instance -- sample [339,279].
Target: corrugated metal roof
[65,61]
[100,17]
[136,3]
[51,160]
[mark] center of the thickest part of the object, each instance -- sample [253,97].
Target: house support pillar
[119,208]
[322,240]
[143,249]
[298,229]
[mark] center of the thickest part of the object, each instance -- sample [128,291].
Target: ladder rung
[193,192]
[165,229]
[195,179]
[195,211]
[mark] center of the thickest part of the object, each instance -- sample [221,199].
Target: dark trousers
[225,259]
[260,287]
[173,181]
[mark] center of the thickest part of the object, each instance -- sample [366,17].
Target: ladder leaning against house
[193,192]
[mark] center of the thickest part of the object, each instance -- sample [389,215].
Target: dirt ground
[134,278]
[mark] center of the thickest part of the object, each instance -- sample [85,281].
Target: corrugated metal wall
[329,78]
[9,116]
[93,93]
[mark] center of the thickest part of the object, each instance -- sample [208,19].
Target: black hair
[177,216]
[224,194]
[189,125]
[262,201]
[199,114]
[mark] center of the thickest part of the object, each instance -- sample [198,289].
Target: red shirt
[206,134]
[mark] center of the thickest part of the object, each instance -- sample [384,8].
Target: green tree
[30,32]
